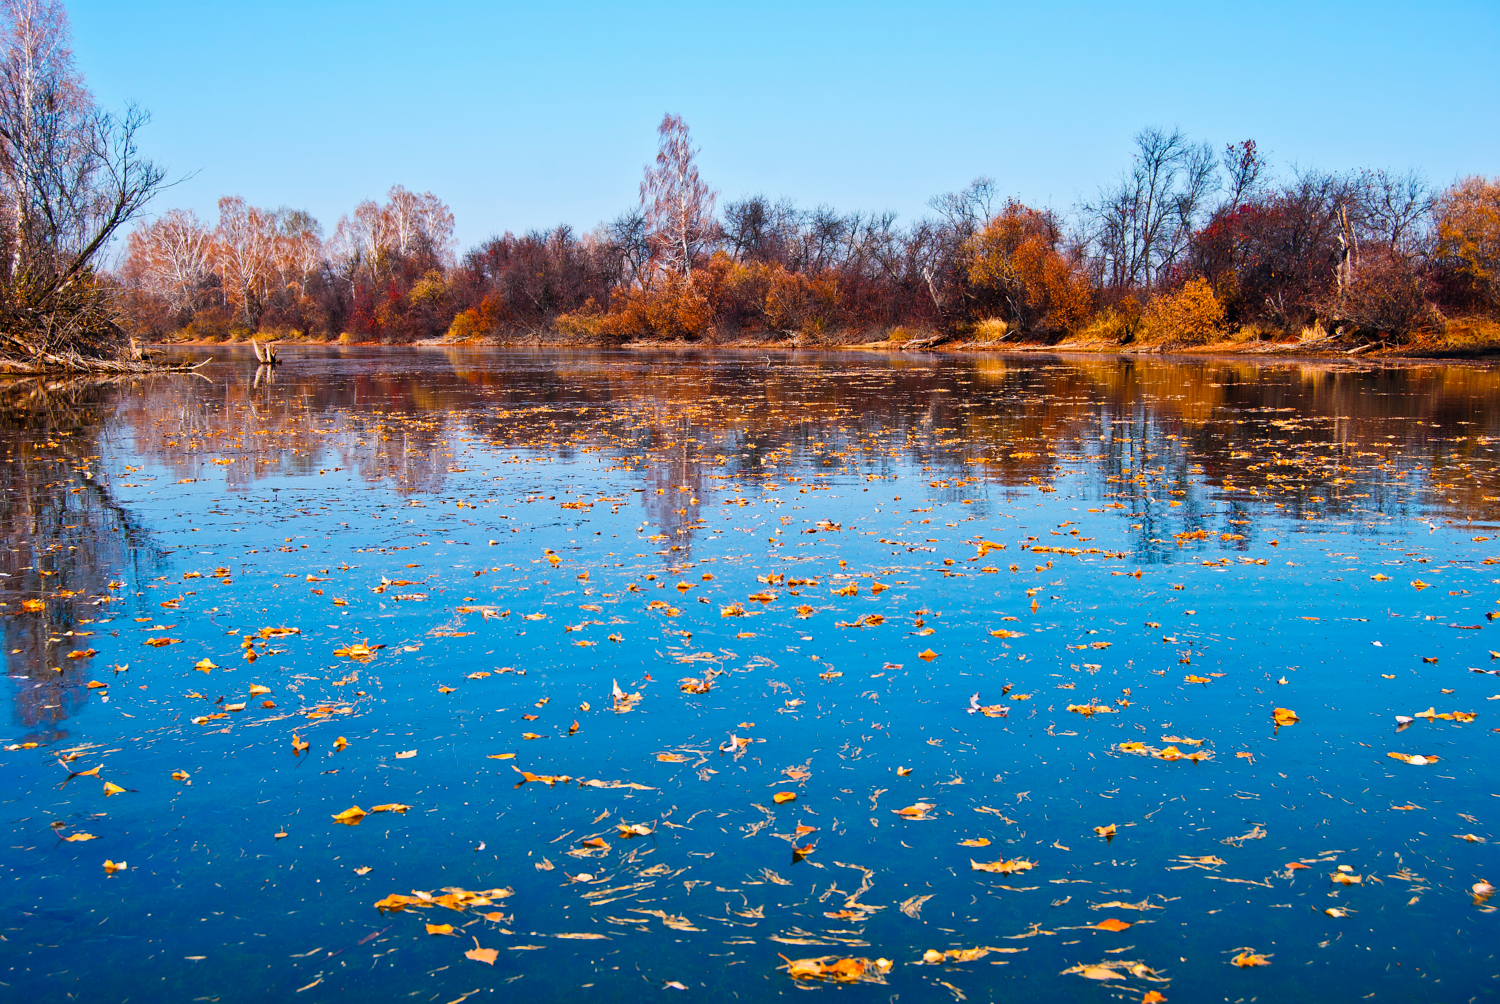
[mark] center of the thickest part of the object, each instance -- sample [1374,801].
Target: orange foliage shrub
[1017,257]
[476,322]
[675,308]
[1192,315]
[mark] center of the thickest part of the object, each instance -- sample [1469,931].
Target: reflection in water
[1166,551]
[67,544]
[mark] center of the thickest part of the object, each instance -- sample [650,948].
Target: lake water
[440,569]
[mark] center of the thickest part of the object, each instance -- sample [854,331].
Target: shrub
[991,329]
[1192,315]
[672,309]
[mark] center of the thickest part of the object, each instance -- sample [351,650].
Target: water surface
[434,569]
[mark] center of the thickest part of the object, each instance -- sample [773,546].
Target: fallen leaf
[1248,958]
[110,867]
[110,788]
[1112,924]
[441,929]
[782,797]
[1002,867]
[1284,716]
[350,816]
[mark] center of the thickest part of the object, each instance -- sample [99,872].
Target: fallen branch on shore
[70,362]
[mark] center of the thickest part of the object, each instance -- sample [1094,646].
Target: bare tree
[1142,226]
[677,204]
[71,175]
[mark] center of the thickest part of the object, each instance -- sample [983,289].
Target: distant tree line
[1190,243]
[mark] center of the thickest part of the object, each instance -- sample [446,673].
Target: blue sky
[527,115]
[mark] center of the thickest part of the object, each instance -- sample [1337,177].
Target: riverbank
[1467,339]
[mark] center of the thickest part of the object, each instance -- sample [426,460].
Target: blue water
[533,517]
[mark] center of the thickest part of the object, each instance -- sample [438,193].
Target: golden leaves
[358,651]
[1003,633]
[110,788]
[782,797]
[446,929]
[256,689]
[920,810]
[1002,867]
[927,656]
[548,779]
[389,807]
[350,816]
[485,955]
[1190,678]
[406,754]
[299,745]
[836,969]
[179,775]
[1111,924]
[1107,832]
[1416,760]
[1093,708]
[672,758]
[1284,716]
[980,842]
[73,838]
[161,642]
[110,867]
[1248,958]
[340,743]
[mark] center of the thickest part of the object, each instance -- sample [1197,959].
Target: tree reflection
[64,539]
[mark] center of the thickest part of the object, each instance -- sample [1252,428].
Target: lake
[436,675]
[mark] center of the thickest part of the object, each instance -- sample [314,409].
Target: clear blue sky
[525,115]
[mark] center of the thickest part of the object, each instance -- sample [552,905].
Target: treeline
[1190,244]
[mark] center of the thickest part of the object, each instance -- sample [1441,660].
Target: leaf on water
[913,907]
[672,758]
[110,788]
[782,797]
[1002,867]
[585,936]
[981,842]
[836,969]
[179,775]
[446,690]
[1153,997]
[920,810]
[350,816]
[390,807]
[500,756]
[363,870]
[1248,958]
[299,745]
[928,655]
[485,955]
[442,929]
[1284,716]
[256,690]
[1416,760]
[204,665]
[75,837]
[407,755]
[1105,831]
[1112,924]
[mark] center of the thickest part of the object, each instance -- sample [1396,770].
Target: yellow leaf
[1112,924]
[340,743]
[981,842]
[441,929]
[1001,867]
[1284,716]
[350,816]
[485,955]
[501,756]
[783,796]
[928,655]
[179,775]
[110,788]
[1247,959]
[390,807]
[1105,831]
[111,867]
[407,755]
[75,837]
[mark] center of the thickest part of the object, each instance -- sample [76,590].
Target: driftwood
[265,355]
[48,363]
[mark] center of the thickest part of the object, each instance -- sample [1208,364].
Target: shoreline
[1320,349]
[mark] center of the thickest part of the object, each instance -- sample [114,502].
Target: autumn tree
[1467,249]
[70,177]
[1017,259]
[676,203]
[171,258]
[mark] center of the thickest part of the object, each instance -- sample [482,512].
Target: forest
[1189,245]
